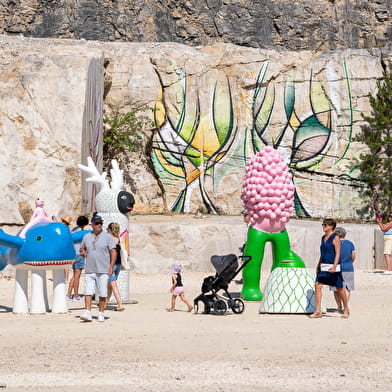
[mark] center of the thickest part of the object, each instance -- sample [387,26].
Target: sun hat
[67,219]
[176,268]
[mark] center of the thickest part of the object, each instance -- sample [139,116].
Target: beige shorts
[387,244]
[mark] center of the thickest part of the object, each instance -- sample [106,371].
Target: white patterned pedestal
[123,287]
[289,290]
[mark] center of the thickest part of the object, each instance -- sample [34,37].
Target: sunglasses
[324,224]
[98,223]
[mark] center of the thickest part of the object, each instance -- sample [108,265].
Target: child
[177,288]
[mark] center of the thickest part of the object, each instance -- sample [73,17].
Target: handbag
[124,259]
[325,267]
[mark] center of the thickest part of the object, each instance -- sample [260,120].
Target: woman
[329,254]
[387,229]
[78,264]
[347,257]
[114,230]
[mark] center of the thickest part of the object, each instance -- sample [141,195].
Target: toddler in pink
[177,289]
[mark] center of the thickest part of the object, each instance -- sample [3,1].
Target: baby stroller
[226,269]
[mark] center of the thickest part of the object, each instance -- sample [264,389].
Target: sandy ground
[146,348]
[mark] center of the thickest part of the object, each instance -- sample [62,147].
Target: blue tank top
[327,250]
[388,232]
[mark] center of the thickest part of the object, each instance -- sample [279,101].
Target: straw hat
[67,219]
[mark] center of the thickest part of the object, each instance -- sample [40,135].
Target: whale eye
[39,238]
[123,197]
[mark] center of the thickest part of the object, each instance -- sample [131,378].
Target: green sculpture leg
[282,257]
[254,247]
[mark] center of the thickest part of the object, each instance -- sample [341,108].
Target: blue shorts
[78,263]
[116,271]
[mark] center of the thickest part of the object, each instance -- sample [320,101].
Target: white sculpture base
[289,290]
[39,296]
[123,287]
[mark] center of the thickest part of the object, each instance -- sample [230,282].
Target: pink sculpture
[39,215]
[268,197]
[268,191]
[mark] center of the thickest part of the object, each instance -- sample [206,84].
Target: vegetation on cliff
[376,164]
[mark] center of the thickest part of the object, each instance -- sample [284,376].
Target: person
[246,218]
[347,257]
[387,229]
[99,251]
[66,220]
[114,230]
[329,254]
[78,264]
[177,289]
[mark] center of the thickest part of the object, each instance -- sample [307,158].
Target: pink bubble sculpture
[267,191]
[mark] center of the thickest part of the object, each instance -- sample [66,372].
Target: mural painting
[211,123]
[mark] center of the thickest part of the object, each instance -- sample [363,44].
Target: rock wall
[215,106]
[157,242]
[42,91]
[279,24]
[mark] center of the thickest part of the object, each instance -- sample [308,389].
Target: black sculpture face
[125,202]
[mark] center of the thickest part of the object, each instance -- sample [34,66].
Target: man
[99,249]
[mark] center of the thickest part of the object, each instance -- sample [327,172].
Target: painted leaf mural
[209,125]
[191,142]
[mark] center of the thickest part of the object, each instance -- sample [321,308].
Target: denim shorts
[78,263]
[99,280]
[116,271]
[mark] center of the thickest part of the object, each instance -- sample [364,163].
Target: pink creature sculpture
[268,197]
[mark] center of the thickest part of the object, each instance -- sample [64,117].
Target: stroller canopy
[227,264]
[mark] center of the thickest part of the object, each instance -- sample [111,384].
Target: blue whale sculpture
[47,245]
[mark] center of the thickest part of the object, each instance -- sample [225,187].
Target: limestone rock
[292,25]
[214,107]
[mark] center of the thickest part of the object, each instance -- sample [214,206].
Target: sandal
[316,315]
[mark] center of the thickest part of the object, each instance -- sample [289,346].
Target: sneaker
[70,297]
[86,316]
[77,299]
[101,317]
[387,273]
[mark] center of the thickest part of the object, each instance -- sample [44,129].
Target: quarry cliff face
[279,24]
[215,107]
[224,78]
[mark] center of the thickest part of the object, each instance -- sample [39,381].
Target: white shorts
[99,280]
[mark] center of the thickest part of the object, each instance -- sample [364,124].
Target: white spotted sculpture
[113,204]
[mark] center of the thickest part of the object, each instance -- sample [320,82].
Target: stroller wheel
[238,306]
[220,307]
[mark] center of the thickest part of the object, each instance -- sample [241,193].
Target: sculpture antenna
[117,176]
[93,172]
